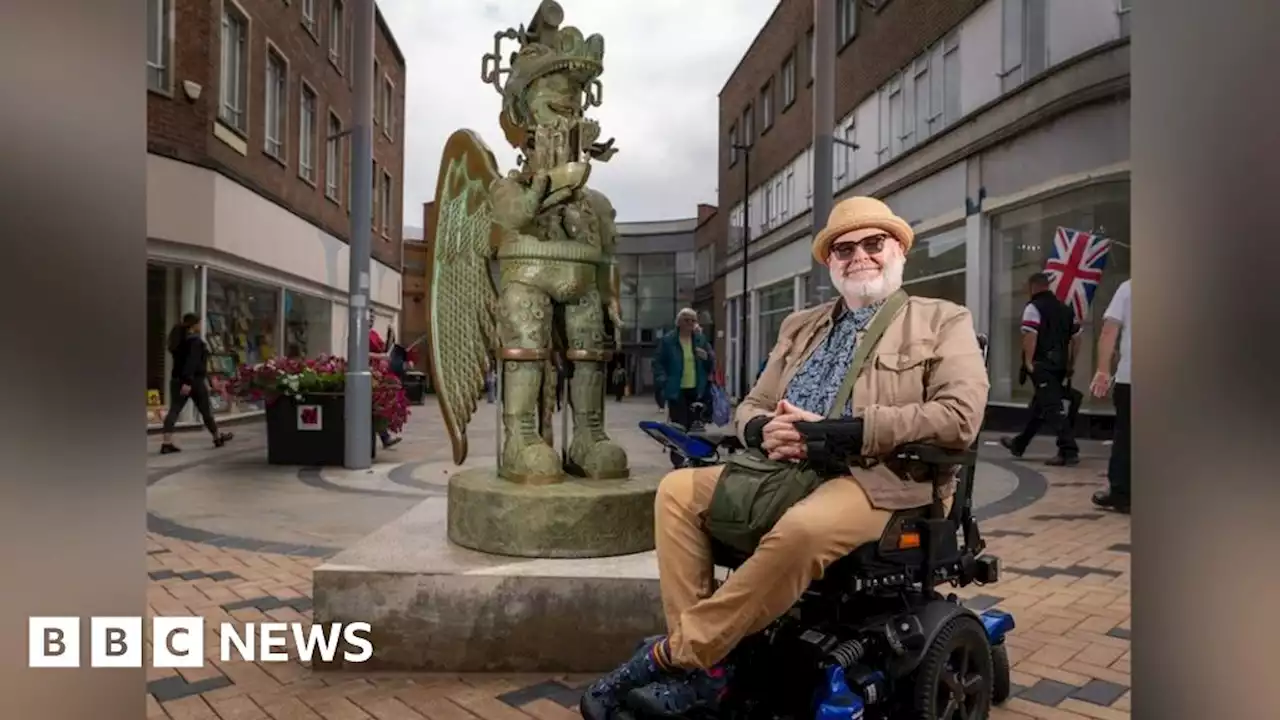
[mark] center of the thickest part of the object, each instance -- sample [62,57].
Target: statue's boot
[526,455]
[592,454]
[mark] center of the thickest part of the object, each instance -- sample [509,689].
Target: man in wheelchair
[923,381]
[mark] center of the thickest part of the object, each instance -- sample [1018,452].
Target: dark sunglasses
[844,251]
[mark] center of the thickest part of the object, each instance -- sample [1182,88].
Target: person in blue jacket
[685,365]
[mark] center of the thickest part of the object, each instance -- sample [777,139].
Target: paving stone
[1047,692]
[1066,583]
[175,687]
[1100,692]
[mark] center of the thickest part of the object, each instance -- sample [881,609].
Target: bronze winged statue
[553,241]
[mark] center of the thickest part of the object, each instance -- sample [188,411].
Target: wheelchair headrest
[678,440]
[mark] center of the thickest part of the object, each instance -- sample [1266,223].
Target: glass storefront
[308,325]
[243,328]
[653,287]
[246,322]
[936,266]
[656,303]
[777,301]
[172,291]
[1021,242]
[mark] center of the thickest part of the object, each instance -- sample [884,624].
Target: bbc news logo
[178,642]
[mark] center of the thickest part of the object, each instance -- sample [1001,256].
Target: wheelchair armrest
[934,455]
[726,440]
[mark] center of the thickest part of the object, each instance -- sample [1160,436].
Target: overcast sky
[665,62]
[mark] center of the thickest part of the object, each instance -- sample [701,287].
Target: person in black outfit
[1049,341]
[189,380]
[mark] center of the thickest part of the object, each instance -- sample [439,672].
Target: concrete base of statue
[437,606]
[571,519]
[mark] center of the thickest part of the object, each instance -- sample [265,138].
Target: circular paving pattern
[232,498]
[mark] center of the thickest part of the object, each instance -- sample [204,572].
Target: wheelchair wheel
[954,678]
[1001,684]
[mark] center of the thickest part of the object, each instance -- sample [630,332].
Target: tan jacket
[925,382]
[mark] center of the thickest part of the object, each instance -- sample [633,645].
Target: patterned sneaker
[678,696]
[602,699]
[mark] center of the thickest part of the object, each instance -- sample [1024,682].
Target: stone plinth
[572,519]
[435,606]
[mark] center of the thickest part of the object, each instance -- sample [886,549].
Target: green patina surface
[555,296]
[571,519]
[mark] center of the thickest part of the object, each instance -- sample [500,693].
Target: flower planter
[311,432]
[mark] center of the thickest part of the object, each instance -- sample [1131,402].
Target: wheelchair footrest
[997,623]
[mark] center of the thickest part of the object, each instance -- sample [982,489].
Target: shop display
[241,331]
[306,325]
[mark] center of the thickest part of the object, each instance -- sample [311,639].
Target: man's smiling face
[866,264]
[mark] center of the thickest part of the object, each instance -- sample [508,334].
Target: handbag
[753,492]
[721,413]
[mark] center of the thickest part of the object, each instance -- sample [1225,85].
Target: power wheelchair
[875,632]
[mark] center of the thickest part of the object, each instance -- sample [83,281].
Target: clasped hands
[782,441]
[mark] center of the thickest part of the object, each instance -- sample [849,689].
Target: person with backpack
[189,380]
[1050,335]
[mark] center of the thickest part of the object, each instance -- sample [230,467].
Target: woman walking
[189,380]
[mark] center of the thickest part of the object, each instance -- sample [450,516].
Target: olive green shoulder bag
[753,491]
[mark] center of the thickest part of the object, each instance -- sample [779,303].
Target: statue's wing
[462,299]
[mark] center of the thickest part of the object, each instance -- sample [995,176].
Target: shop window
[936,266]
[1021,242]
[308,325]
[243,327]
[171,291]
[656,301]
[777,301]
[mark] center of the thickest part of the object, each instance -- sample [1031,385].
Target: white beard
[860,291]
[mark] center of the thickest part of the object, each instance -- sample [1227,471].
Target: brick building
[987,124]
[248,198]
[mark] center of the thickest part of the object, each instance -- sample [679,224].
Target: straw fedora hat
[856,213]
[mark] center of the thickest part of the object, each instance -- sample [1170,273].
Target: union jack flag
[1075,267]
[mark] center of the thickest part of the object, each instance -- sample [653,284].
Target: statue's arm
[515,201]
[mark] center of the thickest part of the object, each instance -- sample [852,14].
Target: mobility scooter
[875,637]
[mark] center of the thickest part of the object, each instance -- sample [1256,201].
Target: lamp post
[743,387]
[824,112]
[358,393]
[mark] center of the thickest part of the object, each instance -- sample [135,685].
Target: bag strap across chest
[879,324]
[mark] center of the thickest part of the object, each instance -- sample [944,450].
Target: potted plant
[305,406]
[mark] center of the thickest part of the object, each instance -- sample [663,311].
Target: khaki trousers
[703,626]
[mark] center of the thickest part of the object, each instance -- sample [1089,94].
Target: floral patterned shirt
[815,385]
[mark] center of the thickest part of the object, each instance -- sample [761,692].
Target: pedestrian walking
[490,381]
[1116,330]
[685,362]
[1050,337]
[379,350]
[189,380]
[619,382]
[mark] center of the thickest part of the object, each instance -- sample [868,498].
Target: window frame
[388,107]
[161,68]
[337,35]
[307,146]
[766,106]
[235,119]
[281,141]
[788,74]
[333,157]
[310,21]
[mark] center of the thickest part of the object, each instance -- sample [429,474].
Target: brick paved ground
[1066,581]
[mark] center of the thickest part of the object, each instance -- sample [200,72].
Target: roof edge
[746,53]
[391,38]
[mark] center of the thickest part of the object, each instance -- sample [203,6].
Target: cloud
[665,62]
